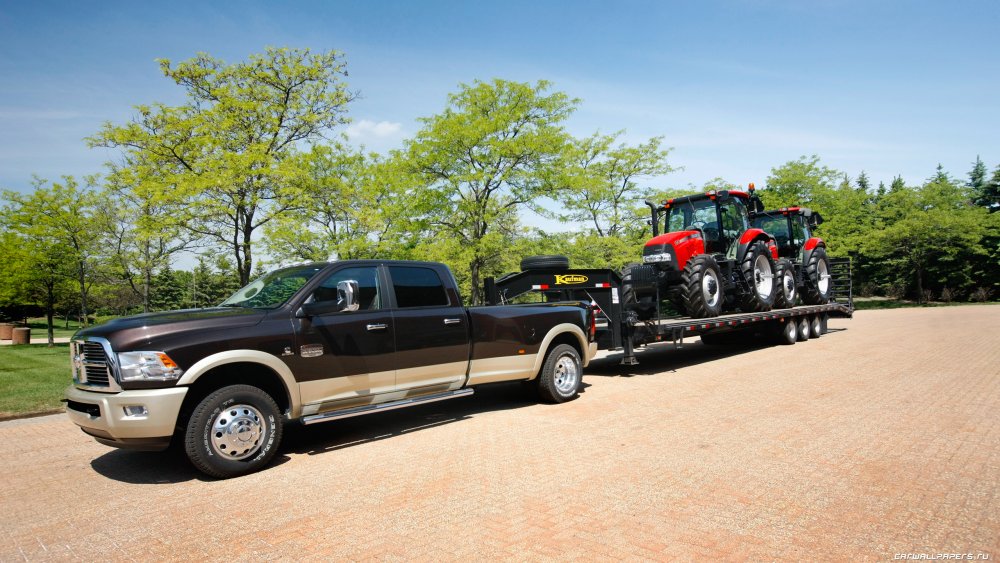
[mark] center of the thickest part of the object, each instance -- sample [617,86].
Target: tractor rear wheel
[758,271]
[819,284]
[702,287]
[787,292]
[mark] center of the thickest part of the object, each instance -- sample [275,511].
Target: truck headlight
[149,366]
[654,258]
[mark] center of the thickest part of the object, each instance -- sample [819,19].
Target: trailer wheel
[786,332]
[815,327]
[702,287]
[232,431]
[818,283]
[802,329]
[758,269]
[545,262]
[786,292]
[561,375]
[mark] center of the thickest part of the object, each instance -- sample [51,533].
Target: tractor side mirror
[815,220]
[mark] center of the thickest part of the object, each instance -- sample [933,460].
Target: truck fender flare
[272,362]
[555,331]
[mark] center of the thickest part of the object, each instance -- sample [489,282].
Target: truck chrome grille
[90,364]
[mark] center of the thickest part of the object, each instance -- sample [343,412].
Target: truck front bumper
[149,425]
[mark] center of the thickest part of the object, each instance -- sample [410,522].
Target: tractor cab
[791,228]
[719,219]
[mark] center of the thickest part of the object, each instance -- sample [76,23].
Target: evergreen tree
[864,185]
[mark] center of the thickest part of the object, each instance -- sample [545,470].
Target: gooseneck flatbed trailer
[619,328]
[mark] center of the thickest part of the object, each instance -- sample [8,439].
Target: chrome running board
[370,409]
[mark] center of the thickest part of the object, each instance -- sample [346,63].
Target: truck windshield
[699,214]
[273,289]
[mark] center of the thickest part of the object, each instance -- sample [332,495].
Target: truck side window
[367,278]
[418,287]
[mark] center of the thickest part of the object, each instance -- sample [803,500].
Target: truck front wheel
[232,431]
[561,375]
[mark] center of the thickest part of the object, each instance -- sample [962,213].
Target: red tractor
[710,258]
[803,268]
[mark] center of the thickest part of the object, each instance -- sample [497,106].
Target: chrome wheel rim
[710,288]
[237,432]
[763,277]
[567,376]
[823,273]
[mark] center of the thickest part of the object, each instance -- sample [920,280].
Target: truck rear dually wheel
[561,375]
[232,431]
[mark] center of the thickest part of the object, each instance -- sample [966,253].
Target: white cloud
[367,130]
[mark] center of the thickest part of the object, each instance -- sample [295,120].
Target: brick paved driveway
[879,438]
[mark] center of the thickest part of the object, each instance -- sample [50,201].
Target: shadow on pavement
[345,433]
[172,466]
[663,357]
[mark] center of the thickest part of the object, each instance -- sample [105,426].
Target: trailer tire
[703,291]
[818,283]
[561,375]
[545,262]
[786,332]
[787,291]
[234,430]
[815,327]
[758,270]
[802,328]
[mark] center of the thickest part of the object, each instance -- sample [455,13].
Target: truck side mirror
[347,295]
[347,300]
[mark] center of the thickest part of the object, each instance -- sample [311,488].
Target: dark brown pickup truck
[311,343]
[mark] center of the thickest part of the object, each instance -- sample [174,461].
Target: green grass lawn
[33,379]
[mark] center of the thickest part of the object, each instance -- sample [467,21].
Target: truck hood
[669,238]
[141,332]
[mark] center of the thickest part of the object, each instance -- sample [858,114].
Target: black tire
[815,327]
[815,291]
[639,290]
[546,262]
[254,427]
[758,269]
[703,293]
[787,290]
[802,328]
[561,375]
[785,332]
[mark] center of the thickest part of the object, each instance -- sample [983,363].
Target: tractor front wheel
[787,293]
[758,271]
[702,287]
[819,284]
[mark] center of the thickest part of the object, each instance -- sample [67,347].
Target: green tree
[930,236]
[35,271]
[598,181]
[491,152]
[63,216]
[988,195]
[798,182]
[141,224]
[356,206]
[228,154]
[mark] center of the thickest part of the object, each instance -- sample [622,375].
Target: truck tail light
[593,324]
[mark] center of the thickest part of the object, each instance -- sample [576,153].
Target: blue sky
[736,87]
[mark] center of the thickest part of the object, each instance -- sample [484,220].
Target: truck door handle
[452,321]
[377,326]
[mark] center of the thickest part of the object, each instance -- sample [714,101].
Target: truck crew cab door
[346,358]
[432,331]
